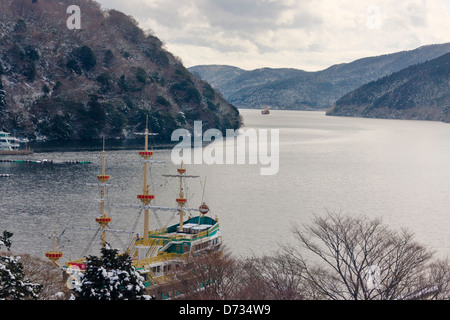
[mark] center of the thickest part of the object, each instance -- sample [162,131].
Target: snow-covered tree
[110,277]
[13,285]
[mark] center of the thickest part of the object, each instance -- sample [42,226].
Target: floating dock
[16,152]
[45,161]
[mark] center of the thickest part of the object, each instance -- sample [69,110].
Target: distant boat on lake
[265,111]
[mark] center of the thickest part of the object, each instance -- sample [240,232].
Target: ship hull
[160,259]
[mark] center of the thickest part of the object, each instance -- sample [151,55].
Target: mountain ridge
[419,92]
[296,89]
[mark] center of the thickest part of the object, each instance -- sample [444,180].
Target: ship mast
[54,255]
[146,197]
[103,220]
[181,200]
[204,209]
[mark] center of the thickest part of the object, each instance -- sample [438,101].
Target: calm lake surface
[393,169]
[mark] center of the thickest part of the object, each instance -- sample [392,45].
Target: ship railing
[161,258]
[75,262]
[161,238]
[152,242]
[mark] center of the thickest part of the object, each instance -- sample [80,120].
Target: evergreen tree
[110,277]
[13,285]
[5,240]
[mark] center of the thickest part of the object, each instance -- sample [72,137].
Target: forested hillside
[420,92]
[58,83]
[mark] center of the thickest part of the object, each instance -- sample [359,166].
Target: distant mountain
[420,92]
[58,83]
[301,90]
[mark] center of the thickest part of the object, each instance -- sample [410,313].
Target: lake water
[394,169]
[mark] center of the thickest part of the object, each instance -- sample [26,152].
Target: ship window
[156,269]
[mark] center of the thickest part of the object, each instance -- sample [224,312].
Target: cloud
[304,34]
[249,16]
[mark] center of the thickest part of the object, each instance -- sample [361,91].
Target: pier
[45,161]
[16,152]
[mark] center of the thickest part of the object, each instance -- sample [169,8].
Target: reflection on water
[397,170]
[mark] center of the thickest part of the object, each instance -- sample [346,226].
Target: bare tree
[440,278]
[211,275]
[276,277]
[357,258]
[339,257]
[48,275]
[45,274]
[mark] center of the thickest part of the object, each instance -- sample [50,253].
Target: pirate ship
[158,253]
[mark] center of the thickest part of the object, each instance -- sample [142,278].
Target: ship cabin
[8,143]
[169,247]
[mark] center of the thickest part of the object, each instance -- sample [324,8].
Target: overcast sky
[304,34]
